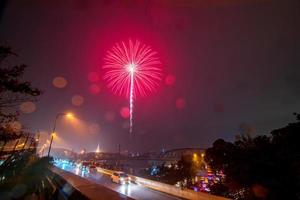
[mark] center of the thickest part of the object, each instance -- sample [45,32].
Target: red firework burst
[133,65]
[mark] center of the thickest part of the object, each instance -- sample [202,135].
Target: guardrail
[62,189]
[20,144]
[166,188]
[86,188]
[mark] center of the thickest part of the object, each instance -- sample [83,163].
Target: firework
[132,69]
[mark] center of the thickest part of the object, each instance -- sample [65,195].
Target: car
[120,178]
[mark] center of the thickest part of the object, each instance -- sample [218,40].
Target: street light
[195,158]
[54,127]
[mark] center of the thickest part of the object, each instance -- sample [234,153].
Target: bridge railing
[86,188]
[166,188]
[21,143]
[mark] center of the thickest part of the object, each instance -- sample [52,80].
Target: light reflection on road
[125,189]
[131,190]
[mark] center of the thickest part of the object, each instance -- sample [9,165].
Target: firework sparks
[132,69]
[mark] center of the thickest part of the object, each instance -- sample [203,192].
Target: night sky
[230,67]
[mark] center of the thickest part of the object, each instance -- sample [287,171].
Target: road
[132,190]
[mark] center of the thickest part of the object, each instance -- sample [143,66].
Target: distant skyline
[228,68]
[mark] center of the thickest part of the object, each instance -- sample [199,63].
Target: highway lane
[132,190]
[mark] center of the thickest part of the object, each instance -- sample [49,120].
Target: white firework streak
[131,103]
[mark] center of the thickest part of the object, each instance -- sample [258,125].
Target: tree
[29,172]
[184,170]
[263,167]
[22,173]
[187,169]
[13,92]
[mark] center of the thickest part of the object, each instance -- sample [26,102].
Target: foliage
[266,167]
[184,170]
[25,175]
[13,92]
[187,169]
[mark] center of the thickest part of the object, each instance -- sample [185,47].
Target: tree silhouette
[20,169]
[13,92]
[263,167]
[183,171]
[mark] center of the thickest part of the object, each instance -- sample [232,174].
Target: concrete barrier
[91,190]
[166,188]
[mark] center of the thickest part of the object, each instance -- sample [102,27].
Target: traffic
[119,182]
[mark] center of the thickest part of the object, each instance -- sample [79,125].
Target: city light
[195,158]
[69,115]
[98,149]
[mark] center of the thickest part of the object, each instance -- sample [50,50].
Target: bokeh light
[170,80]
[77,100]
[260,191]
[15,126]
[59,82]
[124,112]
[180,103]
[94,128]
[28,107]
[93,77]
[94,89]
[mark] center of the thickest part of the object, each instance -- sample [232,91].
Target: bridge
[176,154]
[172,155]
[129,163]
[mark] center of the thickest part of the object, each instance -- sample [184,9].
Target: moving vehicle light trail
[132,190]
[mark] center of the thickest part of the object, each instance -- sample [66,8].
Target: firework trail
[132,69]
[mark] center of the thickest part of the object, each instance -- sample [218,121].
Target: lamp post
[54,127]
